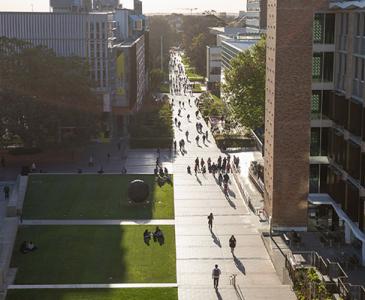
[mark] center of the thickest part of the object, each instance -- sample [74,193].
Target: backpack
[216,272]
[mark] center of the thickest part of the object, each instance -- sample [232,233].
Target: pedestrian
[188,117]
[175,145]
[179,103]
[187,135]
[157,162]
[226,178]
[124,170]
[206,134]
[189,170]
[197,113]
[175,121]
[220,179]
[232,243]
[228,168]
[215,275]
[6,192]
[197,139]
[204,139]
[189,102]
[197,161]
[183,105]
[204,170]
[179,113]
[210,221]
[202,162]
[3,161]
[33,168]
[196,169]
[179,124]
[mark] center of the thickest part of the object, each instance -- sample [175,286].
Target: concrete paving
[96,222]
[92,286]
[198,249]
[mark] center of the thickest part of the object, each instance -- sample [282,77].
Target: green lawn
[94,254]
[94,197]
[94,294]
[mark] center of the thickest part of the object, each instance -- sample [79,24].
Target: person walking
[232,243]
[215,275]
[210,221]
[187,135]
[197,139]
[220,179]
[188,117]
[6,192]
[179,125]
[204,139]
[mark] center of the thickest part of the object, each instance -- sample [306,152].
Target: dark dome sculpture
[138,191]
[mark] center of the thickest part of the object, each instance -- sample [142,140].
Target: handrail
[344,288]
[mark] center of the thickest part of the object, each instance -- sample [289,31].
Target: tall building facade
[73,30]
[315,116]
[256,14]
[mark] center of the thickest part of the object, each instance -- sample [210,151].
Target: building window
[316,102]
[316,68]
[315,142]
[318,28]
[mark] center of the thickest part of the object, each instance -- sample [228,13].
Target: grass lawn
[94,294]
[94,197]
[94,254]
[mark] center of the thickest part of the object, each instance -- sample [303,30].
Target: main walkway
[198,249]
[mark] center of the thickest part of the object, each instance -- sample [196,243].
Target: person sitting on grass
[27,247]
[147,237]
[158,236]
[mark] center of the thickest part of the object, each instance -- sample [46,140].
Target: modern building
[72,30]
[230,42]
[256,14]
[315,117]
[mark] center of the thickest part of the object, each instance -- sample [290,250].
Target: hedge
[235,142]
[146,143]
[24,151]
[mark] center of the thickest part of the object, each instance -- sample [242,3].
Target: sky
[149,6]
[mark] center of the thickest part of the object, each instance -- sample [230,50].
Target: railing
[338,278]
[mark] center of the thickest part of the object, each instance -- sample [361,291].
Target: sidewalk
[198,250]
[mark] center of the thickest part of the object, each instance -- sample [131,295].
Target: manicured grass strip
[94,197]
[94,254]
[94,294]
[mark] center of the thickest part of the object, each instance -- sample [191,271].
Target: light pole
[162,53]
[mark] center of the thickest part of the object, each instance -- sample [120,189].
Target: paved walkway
[198,250]
[92,286]
[96,222]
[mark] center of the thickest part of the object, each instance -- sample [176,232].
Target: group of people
[157,236]
[180,84]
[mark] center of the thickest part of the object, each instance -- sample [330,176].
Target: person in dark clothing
[220,179]
[188,170]
[215,275]
[6,192]
[232,243]
[210,221]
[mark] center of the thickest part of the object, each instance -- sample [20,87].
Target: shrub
[24,151]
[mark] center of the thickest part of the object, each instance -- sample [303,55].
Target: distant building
[256,13]
[230,42]
[106,5]
[100,37]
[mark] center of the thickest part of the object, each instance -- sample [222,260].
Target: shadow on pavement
[239,265]
[219,296]
[216,240]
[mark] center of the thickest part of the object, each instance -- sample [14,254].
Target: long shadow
[198,180]
[231,193]
[216,239]
[239,265]
[231,203]
[219,296]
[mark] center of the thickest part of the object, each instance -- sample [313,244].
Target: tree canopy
[41,93]
[245,85]
[196,38]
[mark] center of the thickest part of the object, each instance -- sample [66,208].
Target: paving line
[95,222]
[91,286]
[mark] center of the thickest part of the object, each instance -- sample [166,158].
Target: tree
[197,36]
[160,27]
[156,78]
[245,86]
[41,93]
